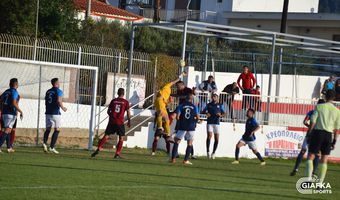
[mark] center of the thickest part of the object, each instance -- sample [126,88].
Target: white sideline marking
[91,187]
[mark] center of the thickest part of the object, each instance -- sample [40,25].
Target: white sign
[137,87]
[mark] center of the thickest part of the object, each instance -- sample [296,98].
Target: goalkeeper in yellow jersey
[162,99]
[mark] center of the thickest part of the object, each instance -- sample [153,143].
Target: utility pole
[284,16]
[156,15]
[282,30]
[88,9]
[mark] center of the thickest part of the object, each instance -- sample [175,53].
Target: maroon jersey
[116,110]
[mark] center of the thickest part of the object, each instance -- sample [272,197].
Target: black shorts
[159,133]
[320,141]
[115,129]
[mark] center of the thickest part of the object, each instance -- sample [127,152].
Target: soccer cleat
[208,155]
[293,173]
[263,163]
[187,162]
[194,157]
[117,156]
[315,176]
[52,150]
[45,147]
[0,151]
[153,154]
[235,162]
[213,156]
[95,153]
[10,150]
[173,161]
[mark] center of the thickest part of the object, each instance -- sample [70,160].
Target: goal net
[79,86]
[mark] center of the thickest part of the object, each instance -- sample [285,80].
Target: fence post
[38,117]
[78,77]
[206,54]
[115,73]
[155,81]
[272,62]
[278,80]
[132,41]
[184,42]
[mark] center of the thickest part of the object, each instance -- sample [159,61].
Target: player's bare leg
[237,152]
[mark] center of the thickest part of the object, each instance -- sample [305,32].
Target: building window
[336,38]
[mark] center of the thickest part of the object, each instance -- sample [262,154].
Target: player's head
[180,85]
[13,83]
[330,95]
[234,85]
[55,82]
[190,97]
[210,79]
[258,87]
[245,69]
[215,97]
[332,77]
[121,92]
[250,113]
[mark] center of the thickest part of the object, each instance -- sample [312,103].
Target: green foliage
[104,33]
[17,17]
[167,69]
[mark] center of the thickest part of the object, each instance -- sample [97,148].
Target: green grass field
[31,174]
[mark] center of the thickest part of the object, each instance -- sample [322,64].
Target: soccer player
[160,134]
[160,105]
[116,111]
[53,103]
[214,111]
[305,146]
[248,138]
[187,116]
[325,121]
[9,110]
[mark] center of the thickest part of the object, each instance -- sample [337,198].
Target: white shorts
[251,144]
[53,121]
[213,128]
[8,120]
[187,135]
[304,144]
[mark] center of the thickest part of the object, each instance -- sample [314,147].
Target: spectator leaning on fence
[328,84]
[337,90]
[248,83]
[231,90]
[208,85]
[256,99]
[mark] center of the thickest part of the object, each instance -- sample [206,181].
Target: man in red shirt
[248,83]
[116,111]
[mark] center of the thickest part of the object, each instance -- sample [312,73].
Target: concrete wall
[305,87]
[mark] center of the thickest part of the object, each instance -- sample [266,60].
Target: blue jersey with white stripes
[187,116]
[51,101]
[7,101]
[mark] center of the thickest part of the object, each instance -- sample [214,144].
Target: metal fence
[106,59]
[275,111]
[291,63]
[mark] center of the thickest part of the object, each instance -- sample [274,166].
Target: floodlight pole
[272,62]
[206,53]
[132,41]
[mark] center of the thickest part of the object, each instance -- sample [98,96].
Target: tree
[57,18]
